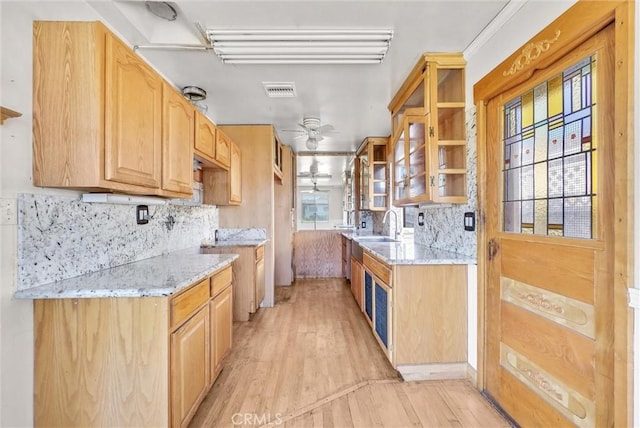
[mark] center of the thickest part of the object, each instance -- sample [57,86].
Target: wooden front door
[549,213]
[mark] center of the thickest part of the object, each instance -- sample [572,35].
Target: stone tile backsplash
[63,237]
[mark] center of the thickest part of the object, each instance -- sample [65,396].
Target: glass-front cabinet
[374,175]
[429,133]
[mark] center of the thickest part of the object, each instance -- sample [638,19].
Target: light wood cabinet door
[259,283]
[221,330]
[205,139]
[223,149]
[178,136]
[133,103]
[190,359]
[235,172]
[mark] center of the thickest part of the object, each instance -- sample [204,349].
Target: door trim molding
[576,25]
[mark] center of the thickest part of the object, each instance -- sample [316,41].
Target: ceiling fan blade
[319,138]
[325,128]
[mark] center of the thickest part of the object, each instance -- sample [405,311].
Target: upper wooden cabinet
[277,159]
[429,133]
[132,117]
[205,138]
[224,186]
[223,149]
[178,125]
[98,116]
[373,174]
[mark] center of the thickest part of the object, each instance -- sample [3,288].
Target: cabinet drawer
[221,280]
[259,253]
[379,269]
[185,304]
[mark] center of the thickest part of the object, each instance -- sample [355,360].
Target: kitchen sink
[374,238]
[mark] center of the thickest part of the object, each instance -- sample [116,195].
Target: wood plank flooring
[311,361]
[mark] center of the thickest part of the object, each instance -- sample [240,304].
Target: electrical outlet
[363,225]
[8,211]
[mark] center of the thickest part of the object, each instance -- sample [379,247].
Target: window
[315,207]
[549,151]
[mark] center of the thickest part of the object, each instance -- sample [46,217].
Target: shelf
[8,114]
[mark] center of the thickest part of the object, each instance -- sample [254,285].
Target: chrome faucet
[384,219]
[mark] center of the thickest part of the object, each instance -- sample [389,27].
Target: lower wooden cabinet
[248,278]
[139,361]
[190,361]
[221,308]
[357,281]
[418,315]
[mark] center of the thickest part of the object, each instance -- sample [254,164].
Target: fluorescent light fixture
[112,198]
[300,47]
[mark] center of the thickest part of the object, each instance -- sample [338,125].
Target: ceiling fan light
[312,143]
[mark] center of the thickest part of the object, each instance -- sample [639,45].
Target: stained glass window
[549,156]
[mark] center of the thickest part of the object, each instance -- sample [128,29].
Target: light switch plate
[8,211]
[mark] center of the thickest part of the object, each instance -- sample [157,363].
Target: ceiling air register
[300,46]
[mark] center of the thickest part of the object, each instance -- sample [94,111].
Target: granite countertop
[410,253]
[155,277]
[235,243]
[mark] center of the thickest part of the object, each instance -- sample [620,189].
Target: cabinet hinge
[431,132]
[432,181]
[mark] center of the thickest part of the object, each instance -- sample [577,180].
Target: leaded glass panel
[549,156]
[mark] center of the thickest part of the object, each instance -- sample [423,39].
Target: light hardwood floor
[312,361]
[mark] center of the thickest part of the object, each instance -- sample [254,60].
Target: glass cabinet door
[400,191]
[448,133]
[417,157]
[364,182]
[378,171]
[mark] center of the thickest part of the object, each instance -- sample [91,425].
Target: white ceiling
[352,98]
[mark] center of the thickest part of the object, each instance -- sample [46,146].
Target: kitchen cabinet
[98,116]
[277,159]
[418,315]
[378,298]
[190,361]
[357,282]
[429,133]
[221,308]
[284,227]
[259,274]
[205,139]
[248,277]
[224,186]
[178,135]
[164,352]
[373,176]
[346,257]
[267,204]
[223,149]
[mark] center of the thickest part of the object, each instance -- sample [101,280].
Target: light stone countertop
[410,253]
[235,243]
[154,277]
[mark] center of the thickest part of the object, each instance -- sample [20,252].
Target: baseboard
[414,372]
[472,375]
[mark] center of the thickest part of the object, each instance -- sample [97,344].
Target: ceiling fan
[314,189]
[313,171]
[312,130]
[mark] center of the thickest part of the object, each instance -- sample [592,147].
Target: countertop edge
[40,292]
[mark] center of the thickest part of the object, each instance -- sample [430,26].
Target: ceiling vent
[280,90]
